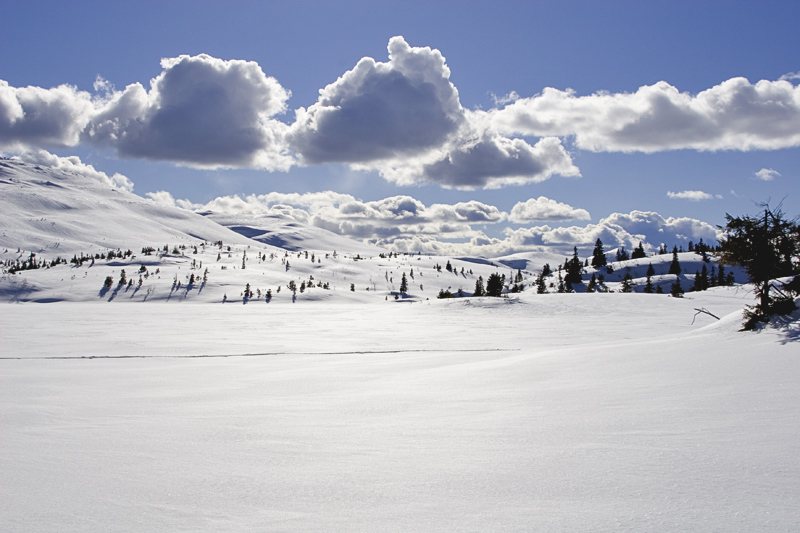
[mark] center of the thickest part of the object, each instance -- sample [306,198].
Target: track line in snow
[265,354]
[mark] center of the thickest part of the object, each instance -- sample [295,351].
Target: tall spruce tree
[598,256]
[675,266]
[479,290]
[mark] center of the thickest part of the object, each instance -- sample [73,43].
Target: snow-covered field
[562,412]
[173,402]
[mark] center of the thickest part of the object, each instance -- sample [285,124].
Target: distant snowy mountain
[285,232]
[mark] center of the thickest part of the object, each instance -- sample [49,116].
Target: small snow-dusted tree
[404,284]
[109,282]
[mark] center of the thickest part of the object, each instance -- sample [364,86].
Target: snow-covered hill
[61,211]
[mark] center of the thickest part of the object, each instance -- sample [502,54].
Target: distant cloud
[618,229]
[694,196]
[544,209]
[345,215]
[403,223]
[200,111]
[790,76]
[506,99]
[734,115]
[767,174]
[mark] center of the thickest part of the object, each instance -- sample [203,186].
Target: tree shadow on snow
[788,326]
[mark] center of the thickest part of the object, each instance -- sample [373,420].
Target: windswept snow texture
[575,412]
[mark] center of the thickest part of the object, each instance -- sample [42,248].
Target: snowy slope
[55,211]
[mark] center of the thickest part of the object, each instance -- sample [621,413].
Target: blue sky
[437,128]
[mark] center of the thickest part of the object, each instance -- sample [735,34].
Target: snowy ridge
[54,211]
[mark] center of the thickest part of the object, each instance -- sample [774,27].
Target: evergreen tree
[627,283]
[122,279]
[598,256]
[592,284]
[650,270]
[700,280]
[494,285]
[638,252]
[404,284]
[479,291]
[674,266]
[448,266]
[648,286]
[541,285]
[676,290]
[109,282]
[768,247]
[573,268]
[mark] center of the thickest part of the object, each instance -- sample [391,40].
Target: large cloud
[200,111]
[32,117]
[734,115]
[381,111]
[403,118]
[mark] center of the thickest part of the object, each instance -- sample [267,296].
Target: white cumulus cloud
[734,115]
[200,111]
[404,119]
[33,117]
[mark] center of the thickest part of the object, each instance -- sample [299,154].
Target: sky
[458,127]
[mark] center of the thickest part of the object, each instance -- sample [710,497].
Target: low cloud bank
[405,224]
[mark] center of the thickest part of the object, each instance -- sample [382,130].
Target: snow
[161,408]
